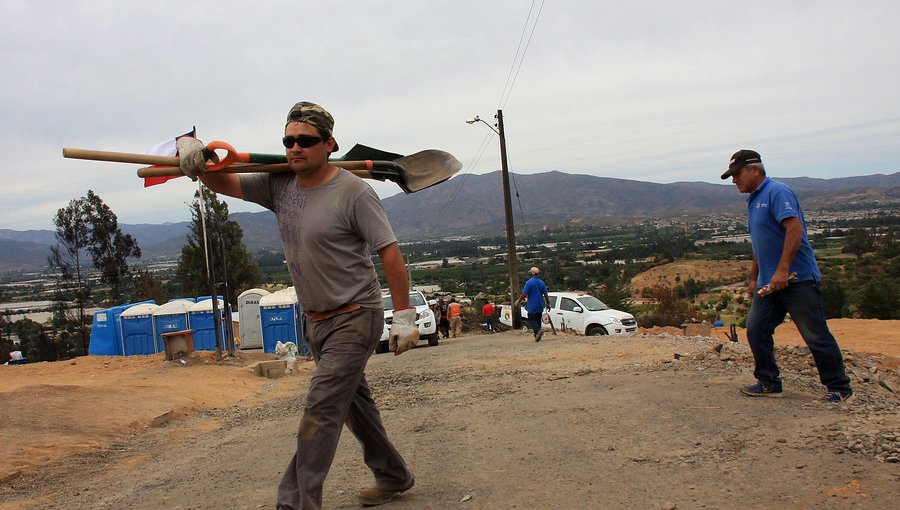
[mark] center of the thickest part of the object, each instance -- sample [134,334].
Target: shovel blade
[427,168]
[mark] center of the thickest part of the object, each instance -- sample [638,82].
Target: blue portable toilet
[200,318]
[169,318]
[281,320]
[106,335]
[248,311]
[136,325]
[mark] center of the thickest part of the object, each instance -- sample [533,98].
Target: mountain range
[473,205]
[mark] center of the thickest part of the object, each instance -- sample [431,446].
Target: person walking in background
[718,322]
[536,299]
[454,312]
[329,219]
[784,278]
[435,308]
[444,322]
[488,312]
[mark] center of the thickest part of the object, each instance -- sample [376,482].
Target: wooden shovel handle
[120,157]
[168,165]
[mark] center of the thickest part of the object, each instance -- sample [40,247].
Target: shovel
[549,321]
[412,173]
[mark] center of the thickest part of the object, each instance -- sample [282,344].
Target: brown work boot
[374,496]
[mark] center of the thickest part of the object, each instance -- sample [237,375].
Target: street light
[510,230]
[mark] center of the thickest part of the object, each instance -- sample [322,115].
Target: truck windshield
[593,304]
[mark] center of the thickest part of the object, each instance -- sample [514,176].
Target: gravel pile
[869,423]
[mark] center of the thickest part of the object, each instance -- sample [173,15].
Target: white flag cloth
[167,148]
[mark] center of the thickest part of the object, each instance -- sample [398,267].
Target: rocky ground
[498,421]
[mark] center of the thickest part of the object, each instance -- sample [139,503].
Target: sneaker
[836,397]
[537,337]
[374,496]
[761,390]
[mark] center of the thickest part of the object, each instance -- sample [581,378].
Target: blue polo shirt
[534,290]
[767,207]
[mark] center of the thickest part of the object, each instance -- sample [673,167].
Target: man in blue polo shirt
[536,299]
[784,279]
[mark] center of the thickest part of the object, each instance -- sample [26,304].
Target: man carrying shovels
[328,219]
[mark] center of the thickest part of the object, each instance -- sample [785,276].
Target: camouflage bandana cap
[313,115]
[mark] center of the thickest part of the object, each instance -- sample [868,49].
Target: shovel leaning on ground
[412,173]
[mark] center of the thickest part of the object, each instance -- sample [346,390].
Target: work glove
[192,157]
[404,334]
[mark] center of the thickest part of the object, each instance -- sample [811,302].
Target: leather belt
[321,316]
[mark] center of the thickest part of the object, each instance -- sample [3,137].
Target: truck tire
[596,330]
[381,348]
[432,340]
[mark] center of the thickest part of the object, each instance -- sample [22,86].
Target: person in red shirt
[488,312]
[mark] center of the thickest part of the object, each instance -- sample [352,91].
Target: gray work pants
[338,394]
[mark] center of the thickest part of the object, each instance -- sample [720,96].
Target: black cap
[740,159]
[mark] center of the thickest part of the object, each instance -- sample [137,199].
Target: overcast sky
[653,91]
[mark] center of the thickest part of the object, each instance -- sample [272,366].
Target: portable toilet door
[278,319]
[169,318]
[200,317]
[248,311]
[136,324]
[104,341]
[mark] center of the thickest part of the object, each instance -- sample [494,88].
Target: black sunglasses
[304,141]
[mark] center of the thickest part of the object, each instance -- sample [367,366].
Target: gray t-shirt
[326,232]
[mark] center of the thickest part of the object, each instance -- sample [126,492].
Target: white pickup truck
[580,312]
[425,319]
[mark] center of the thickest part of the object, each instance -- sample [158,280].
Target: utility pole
[510,229]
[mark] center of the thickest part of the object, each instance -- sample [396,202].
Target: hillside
[473,204]
[674,273]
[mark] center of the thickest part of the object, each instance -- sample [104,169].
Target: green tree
[72,238]
[859,242]
[109,247]
[888,245]
[614,293]
[6,345]
[879,300]
[148,286]
[29,333]
[669,310]
[834,297]
[224,236]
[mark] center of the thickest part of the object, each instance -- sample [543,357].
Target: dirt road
[485,422]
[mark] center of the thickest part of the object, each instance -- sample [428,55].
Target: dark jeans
[338,395]
[444,327]
[490,323]
[803,300]
[534,320]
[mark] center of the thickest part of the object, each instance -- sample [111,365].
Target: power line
[461,180]
[508,91]
[516,57]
